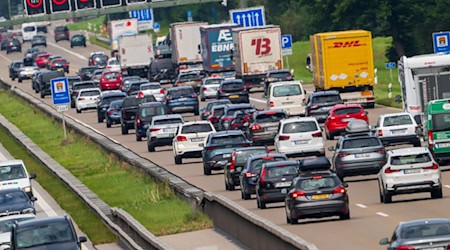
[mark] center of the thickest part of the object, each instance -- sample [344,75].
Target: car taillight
[434,167]
[283,137]
[138,121]
[181,138]
[297,194]
[248,84]
[405,248]
[154,129]
[317,134]
[220,90]
[244,89]
[67,65]
[211,148]
[390,171]
[177,83]
[381,151]
[233,159]
[53,65]
[263,176]
[340,155]
[255,127]
[430,138]
[380,133]
[161,91]
[205,88]
[168,97]
[213,119]
[249,175]
[271,104]
[140,95]
[267,158]
[339,190]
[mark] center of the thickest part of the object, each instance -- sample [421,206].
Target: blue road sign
[156,25]
[251,17]
[441,42]
[60,91]
[391,65]
[189,13]
[286,41]
[142,15]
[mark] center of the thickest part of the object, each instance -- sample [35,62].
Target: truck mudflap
[365,98]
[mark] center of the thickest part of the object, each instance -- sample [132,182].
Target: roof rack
[314,164]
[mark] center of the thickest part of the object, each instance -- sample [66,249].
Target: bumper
[319,209]
[25,77]
[87,106]
[110,86]
[264,137]
[318,150]
[242,99]
[217,165]
[208,94]
[423,183]
[154,141]
[271,196]
[400,139]
[114,119]
[190,154]
[234,178]
[361,168]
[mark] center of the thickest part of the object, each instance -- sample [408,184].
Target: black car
[39,40]
[76,88]
[234,90]
[16,201]
[130,106]
[144,115]
[230,109]
[72,80]
[86,72]
[61,33]
[277,76]
[98,59]
[14,46]
[264,125]
[55,232]
[4,44]
[206,111]
[105,100]
[113,113]
[319,104]
[162,70]
[250,174]
[317,192]
[35,81]
[44,81]
[238,159]
[127,81]
[42,28]
[14,68]
[274,181]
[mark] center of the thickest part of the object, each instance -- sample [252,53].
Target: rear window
[361,143]
[61,29]
[321,99]
[425,230]
[152,111]
[287,90]
[257,164]
[196,128]
[150,86]
[12,172]
[441,122]
[397,120]
[168,121]
[17,65]
[299,127]
[347,111]
[116,105]
[135,86]
[83,86]
[231,139]
[275,172]
[410,159]
[242,156]
[316,183]
[213,81]
[90,93]
[233,85]
[111,76]
[280,75]
[29,29]
[181,92]
[100,58]
[270,117]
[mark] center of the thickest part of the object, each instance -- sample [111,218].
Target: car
[44,81]
[14,46]
[14,174]
[86,72]
[129,109]
[113,113]
[73,79]
[105,100]
[42,28]
[76,87]
[239,157]
[39,40]
[97,76]
[300,136]
[162,70]
[42,60]
[241,120]
[264,126]
[162,130]
[209,88]
[206,111]
[290,96]
[182,99]
[432,233]
[144,115]
[280,75]
[56,232]
[229,111]
[409,170]
[26,73]
[274,181]
[127,80]
[398,128]
[135,88]
[61,33]
[60,64]
[217,112]
[234,90]
[358,153]
[35,81]
[31,52]
[190,139]
[87,99]
[4,44]
[340,115]
[51,59]
[78,40]
[99,59]
[113,64]
[6,224]
[16,201]
[14,68]
[110,80]
[316,193]
[192,79]
[6,35]
[218,149]
[319,103]
[252,168]
[153,88]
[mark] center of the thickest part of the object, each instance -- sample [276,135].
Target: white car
[14,174]
[87,99]
[288,95]
[153,88]
[162,130]
[6,224]
[113,64]
[209,88]
[300,136]
[409,170]
[190,140]
[27,72]
[398,128]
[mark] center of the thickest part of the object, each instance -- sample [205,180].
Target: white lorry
[135,54]
[422,79]
[118,28]
[256,51]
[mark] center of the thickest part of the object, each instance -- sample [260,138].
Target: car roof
[269,111]
[423,221]
[164,117]
[213,78]
[396,114]
[227,133]
[279,163]
[17,216]
[113,93]
[281,83]
[11,162]
[196,122]
[328,92]
[151,104]
[224,82]
[220,106]
[150,83]
[408,151]
[238,106]
[89,89]
[251,148]
[347,105]
[256,157]
[9,190]
[308,174]
[41,221]
[83,82]
[181,87]
[299,119]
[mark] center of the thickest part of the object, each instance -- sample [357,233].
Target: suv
[144,115]
[128,112]
[277,76]
[14,174]
[105,100]
[39,40]
[44,81]
[46,233]
[398,128]
[264,126]
[13,46]
[14,69]
[61,33]
[234,90]
[319,104]
[182,98]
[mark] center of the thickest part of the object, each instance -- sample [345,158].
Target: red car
[339,117]
[110,80]
[42,60]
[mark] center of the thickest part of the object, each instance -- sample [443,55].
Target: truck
[135,54]
[185,42]
[217,49]
[257,50]
[436,126]
[118,28]
[343,61]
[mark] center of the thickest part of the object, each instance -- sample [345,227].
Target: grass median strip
[153,204]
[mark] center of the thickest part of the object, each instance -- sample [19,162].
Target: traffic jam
[192,94]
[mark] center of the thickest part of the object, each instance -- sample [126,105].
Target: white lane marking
[6,58]
[257,100]
[68,51]
[382,214]
[361,205]
[88,126]
[44,205]
[212,247]
[447,186]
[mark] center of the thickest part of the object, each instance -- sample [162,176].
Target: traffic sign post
[156,27]
[34,7]
[189,16]
[286,47]
[441,42]
[390,66]
[61,97]
[249,17]
[144,18]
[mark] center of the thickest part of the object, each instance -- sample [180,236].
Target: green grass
[95,25]
[93,40]
[69,201]
[118,184]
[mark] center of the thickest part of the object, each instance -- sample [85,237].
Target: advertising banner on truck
[221,45]
[120,28]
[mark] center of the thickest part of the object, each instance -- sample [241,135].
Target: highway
[370,220]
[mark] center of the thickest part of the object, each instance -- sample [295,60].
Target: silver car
[209,88]
[162,130]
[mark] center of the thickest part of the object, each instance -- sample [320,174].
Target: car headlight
[27,189]
[28,211]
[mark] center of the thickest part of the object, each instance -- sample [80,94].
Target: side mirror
[32,176]
[82,239]
[33,199]
[345,184]
[384,241]
[398,99]
[331,148]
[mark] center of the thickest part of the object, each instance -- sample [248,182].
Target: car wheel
[36,90]
[380,193]
[124,130]
[84,45]
[387,197]
[150,148]
[340,175]
[108,123]
[19,80]
[202,98]
[72,105]
[345,216]
[436,193]
[78,110]
[371,105]
[42,95]
[227,187]
[138,137]
[417,144]
[206,170]
[292,221]
[261,204]
[178,160]
[99,119]
[196,112]
[231,187]
[71,46]
[245,196]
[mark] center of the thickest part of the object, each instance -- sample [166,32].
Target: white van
[288,95]
[14,174]
[28,31]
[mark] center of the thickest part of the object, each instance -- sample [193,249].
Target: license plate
[287,103]
[411,171]
[398,132]
[214,89]
[301,142]
[433,248]
[201,145]
[234,96]
[347,119]
[362,155]
[226,155]
[320,196]
[59,69]
[168,130]
[196,139]
[443,145]
[283,184]
[272,129]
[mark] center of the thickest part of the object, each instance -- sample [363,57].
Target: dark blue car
[113,113]
[180,99]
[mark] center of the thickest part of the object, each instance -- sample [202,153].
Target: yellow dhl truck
[343,61]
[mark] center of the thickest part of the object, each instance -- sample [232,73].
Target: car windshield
[90,93]
[181,92]
[60,29]
[213,81]
[100,58]
[168,121]
[7,34]
[397,120]
[210,105]
[17,65]
[77,38]
[13,197]
[111,76]
[275,172]
[83,86]
[150,86]
[152,111]
[12,172]
[242,156]
[316,183]
[425,230]
[410,159]
[361,143]
[116,105]
[320,99]
[270,117]
[347,111]
[441,122]
[233,85]
[196,128]
[190,76]
[44,234]
[280,75]
[229,139]
[299,127]
[6,225]
[257,164]
[287,90]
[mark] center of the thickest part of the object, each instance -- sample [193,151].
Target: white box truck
[135,54]
[256,51]
[118,28]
